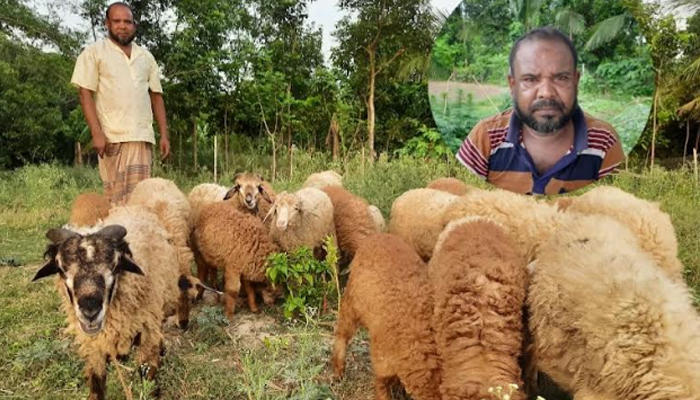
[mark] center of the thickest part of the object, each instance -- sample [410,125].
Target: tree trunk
[687,138]
[179,151]
[227,166]
[78,159]
[697,139]
[194,143]
[216,156]
[370,107]
[335,130]
[274,157]
[653,136]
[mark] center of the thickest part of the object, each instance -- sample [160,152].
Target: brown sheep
[389,293]
[450,185]
[479,287]
[254,194]
[88,209]
[239,243]
[353,220]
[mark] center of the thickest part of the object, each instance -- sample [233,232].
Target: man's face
[120,25]
[544,85]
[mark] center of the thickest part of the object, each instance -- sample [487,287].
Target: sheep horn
[272,209]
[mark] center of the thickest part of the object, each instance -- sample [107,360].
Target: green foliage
[630,76]
[429,144]
[307,282]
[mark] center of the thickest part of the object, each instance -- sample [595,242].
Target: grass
[259,356]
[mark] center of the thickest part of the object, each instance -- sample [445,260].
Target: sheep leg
[150,350]
[232,280]
[344,331]
[382,388]
[96,374]
[250,295]
[202,273]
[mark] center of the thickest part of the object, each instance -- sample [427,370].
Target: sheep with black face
[117,285]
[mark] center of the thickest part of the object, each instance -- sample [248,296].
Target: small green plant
[306,281]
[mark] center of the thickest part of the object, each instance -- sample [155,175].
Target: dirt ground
[479,92]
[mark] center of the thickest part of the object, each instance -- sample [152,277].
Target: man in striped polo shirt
[546,144]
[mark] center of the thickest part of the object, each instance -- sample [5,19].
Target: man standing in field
[120,92]
[546,144]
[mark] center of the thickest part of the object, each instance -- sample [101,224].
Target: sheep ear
[264,194]
[261,177]
[59,235]
[115,232]
[237,175]
[232,192]
[127,264]
[50,268]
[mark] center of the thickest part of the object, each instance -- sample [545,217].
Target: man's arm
[87,102]
[158,107]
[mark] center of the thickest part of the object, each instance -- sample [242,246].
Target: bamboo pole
[216,153]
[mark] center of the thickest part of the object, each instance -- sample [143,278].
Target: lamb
[88,209]
[250,189]
[304,218]
[388,292]
[116,285]
[479,285]
[645,219]
[163,198]
[416,216]
[607,322]
[323,179]
[449,185]
[239,243]
[529,221]
[377,217]
[352,218]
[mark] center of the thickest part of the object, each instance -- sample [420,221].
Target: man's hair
[546,33]
[122,4]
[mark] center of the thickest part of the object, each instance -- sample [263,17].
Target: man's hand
[164,147]
[99,143]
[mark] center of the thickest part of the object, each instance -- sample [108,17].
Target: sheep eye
[260,188]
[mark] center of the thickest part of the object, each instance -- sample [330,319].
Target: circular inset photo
[540,97]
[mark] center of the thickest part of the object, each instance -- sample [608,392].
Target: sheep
[388,292]
[449,185]
[479,285]
[416,216]
[320,180]
[645,219]
[529,221]
[239,243]
[203,195]
[163,198]
[250,189]
[303,218]
[377,217]
[607,322]
[117,285]
[352,218]
[88,209]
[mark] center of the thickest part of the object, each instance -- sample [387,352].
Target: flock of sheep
[471,289]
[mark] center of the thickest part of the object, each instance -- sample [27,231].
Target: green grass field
[258,356]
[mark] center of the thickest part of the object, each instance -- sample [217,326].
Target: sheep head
[286,210]
[248,187]
[89,267]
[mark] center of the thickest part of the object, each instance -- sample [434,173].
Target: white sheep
[416,216]
[645,219]
[606,321]
[303,218]
[163,198]
[117,285]
[377,217]
[449,185]
[323,179]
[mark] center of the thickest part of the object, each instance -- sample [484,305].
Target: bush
[307,282]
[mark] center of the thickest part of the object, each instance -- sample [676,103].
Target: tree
[382,33]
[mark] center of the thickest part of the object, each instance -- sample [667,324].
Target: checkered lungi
[122,167]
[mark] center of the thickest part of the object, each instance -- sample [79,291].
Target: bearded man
[546,144]
[120,92]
